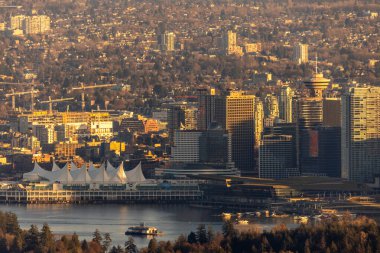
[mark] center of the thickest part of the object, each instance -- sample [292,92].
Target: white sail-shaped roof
[73,166]
[81,176]
[55,167]
[101,176]
[62,176]
[135,175]
[37,173]
[118,175]
[109,166]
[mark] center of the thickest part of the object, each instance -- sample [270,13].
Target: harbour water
[173,220]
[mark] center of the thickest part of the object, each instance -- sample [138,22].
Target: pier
[97,196]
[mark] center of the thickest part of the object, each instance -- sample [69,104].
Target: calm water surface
[173,220]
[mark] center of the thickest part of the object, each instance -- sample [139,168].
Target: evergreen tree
[85,246]
[210,234]
[97,237]
[47,239]
[11,225]
[117,249]
[75,243]
[192,238]
[228,229]
[106,242]
[130,246]
[16,246]
[201,234]
[32,240]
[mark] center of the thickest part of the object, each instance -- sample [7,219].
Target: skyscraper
[176,118]
[206,108]
[286,104]
[259,121]
[361,134]
[309,119]
[301,53]
[235,112]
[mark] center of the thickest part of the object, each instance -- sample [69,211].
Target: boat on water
[142,230]
[242,222]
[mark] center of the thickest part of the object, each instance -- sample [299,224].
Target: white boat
[142,230]
[243,222]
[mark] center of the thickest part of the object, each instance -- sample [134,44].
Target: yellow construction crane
[51,101]
[14,94]
[83,88]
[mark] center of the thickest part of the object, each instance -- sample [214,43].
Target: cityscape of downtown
[181,126]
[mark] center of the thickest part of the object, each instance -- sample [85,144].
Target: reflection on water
[115,219]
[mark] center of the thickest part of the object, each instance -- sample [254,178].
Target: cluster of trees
[15,240]
[343,235]
[360,235]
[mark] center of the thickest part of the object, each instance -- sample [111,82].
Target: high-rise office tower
[286,104]
[235,112]
[361,134]
[206,108]
[191,118]
[301,53]
[271,109]
[176,119]
[276,157]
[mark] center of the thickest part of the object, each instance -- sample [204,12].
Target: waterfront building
[198,152]
[301,53]
[186,148]
[286,104]
[276,157]
[361,134]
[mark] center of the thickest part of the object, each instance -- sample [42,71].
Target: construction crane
[14,94]
[22,84]
[51,101]
[84,88]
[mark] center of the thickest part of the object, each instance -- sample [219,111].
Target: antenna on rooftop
[316,63]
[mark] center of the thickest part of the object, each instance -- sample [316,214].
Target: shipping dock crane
[51,101]
[83,88]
